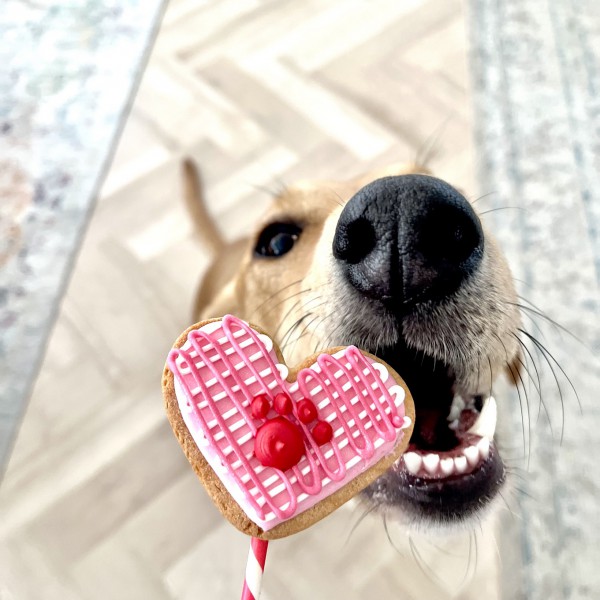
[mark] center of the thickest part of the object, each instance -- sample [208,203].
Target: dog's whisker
[537,312]
[469,557]
[300,301]
[524,347]
[339,202]
[516,377]
[272,296]
[497,547]
[362,517]
[551,359]
[389,537]
[516,455]
[491,375]
[514,473]
[329,339]
[319,342]
[274,192]
[528,410]
[525,493]
[516,501]
[491,210]
[536,325]
[428,149]
[541,403]
[476,550]
[280,302]
[313,333]
[285,317]
[526,449]
[425,568]
[482,197]
[304,330]
[538,387]
[517,469]
[287,337]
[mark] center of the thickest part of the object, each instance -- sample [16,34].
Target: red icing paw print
[279,442]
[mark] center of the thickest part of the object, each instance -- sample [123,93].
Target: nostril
[449,235]
[353,241]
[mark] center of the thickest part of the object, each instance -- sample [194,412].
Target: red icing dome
[279,444]
[260,406]
[282,404]
[322,432]
[306,410]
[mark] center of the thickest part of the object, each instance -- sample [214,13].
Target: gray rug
[536,78]
[68,73]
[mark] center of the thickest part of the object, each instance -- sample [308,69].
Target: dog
[398,263]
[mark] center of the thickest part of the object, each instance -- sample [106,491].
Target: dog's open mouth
[451,467]
[456,447]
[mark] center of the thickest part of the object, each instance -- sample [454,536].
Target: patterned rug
[68,74]
[536,80]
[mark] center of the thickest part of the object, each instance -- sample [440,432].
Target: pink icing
[224,365]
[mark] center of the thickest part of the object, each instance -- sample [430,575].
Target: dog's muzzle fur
[413,282]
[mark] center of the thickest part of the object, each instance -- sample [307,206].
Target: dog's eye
[277,239]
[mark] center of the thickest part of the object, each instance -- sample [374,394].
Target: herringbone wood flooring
[98,501]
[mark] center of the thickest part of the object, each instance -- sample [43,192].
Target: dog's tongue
[432,431]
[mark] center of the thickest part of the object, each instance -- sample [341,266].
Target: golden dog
[398,263]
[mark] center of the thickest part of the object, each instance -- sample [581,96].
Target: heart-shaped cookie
[278,449]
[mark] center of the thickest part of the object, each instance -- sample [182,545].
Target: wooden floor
[98,501]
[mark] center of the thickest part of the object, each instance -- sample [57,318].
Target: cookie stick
[255,568]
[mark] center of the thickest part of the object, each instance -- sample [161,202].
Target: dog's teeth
[483,446]
[454,425]
[485,426]
[460,463]
[472,455]
[431,463]
[413,462]
[447,466]
[458,405]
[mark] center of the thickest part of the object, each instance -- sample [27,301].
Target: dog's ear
[514,369]
[204,225]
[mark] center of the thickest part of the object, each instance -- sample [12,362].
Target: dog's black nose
[408,239]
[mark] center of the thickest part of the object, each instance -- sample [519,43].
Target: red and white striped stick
[254,569]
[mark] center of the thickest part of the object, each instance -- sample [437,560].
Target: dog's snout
[408,239]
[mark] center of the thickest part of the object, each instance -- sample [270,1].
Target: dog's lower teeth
[447,466]
[483,446]
[413,462]
[471,455]
[457,406]
[435,466]
[460,462]
[485,426]
[431,463]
